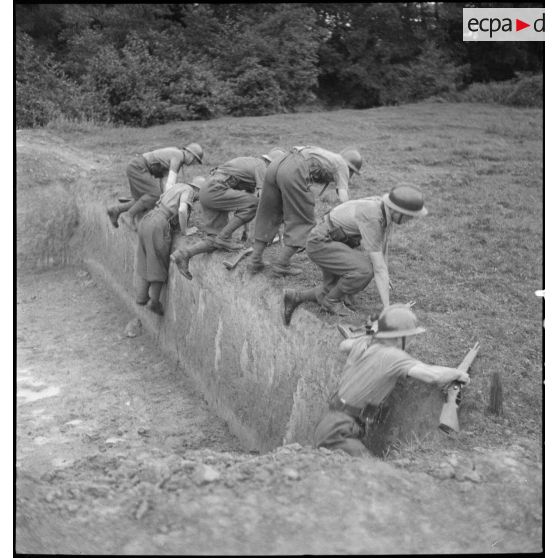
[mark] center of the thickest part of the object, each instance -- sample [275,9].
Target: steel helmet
[407,200]
[275,153]
[397,320]
[197,182]
[196,150]
[352,158]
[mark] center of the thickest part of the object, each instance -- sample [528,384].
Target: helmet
[197,182]
[407,200]
[398,320]
[196,150]
[274,154]
[352,158]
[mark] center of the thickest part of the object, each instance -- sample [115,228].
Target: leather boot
[223,240]
[182,261]
[114,211]
[255,263]
[282,265]
[292,299]
[331,302]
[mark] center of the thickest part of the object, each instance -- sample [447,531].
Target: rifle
[448,416]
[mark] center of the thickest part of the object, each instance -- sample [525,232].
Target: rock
[291,474]
[133,328]
[443,472]
[143,431]
[472,476]
[206,474]
[142,509]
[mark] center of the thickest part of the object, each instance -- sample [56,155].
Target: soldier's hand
[463,377]
[190,231]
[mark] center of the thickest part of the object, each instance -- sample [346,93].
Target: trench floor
[116,453]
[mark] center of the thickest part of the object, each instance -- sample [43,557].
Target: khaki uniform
[287,196]
[369,376]
[154,233]
[332,243]
[231,188]
[146,171]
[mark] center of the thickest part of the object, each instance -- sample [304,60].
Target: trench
[268,382]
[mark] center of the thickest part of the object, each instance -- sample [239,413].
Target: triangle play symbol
[519,25]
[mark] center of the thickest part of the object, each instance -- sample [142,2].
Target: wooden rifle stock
[448,416]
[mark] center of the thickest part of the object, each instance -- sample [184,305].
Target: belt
[337,404]
[165,211]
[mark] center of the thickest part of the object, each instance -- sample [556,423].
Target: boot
[336,307]
[142,204]
[223,239]
[182,260]
[182,257]
[282,265]
[256,263]
[114,211]
[157,307]
[154,294]
[142,296]
[291,300]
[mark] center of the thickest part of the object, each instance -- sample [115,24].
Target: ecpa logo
[503,24]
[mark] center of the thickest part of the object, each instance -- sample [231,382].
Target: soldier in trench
[374,365]
[145,175]
[155,237]
[334,246]
[287,197]
[232,187]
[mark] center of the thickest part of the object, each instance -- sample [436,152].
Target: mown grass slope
[472,265]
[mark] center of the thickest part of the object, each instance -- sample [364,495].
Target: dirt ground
[117,454]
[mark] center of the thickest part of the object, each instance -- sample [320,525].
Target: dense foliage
[142,64]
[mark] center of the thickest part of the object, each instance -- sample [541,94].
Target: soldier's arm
[185,209]
[433,374]
[174,167]
[381,276]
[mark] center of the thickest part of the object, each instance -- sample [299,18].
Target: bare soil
[117,454]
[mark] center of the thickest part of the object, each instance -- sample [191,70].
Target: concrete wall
[269,382]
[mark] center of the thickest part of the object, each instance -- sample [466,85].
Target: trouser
[217,200]
[154,245]
[144,187]
[286,197]
[346,269]
[338,430]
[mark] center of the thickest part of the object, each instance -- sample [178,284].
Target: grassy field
[472,265]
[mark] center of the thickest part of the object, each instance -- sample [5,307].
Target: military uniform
[154,233]
[146,171]
[287,196]
[231,188]
[369,376]
[331,244]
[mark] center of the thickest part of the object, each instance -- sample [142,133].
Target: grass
[472,265]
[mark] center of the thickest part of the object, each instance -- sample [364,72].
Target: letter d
[539,24]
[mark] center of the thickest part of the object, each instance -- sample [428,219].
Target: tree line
[144,64]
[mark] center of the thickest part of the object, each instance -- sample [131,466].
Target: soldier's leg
[298,211]
[145,190]
[154,295]
[114,211]
[142,291]
[269,216]
[182,257]
[338,430]
[244,206]
[292,299]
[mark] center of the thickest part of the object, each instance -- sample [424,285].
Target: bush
[254,93]
[525,91]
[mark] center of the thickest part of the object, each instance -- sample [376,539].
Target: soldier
[154,240]
[287,196]
[232,187]
[332,247]
[373,367]
[144,175]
